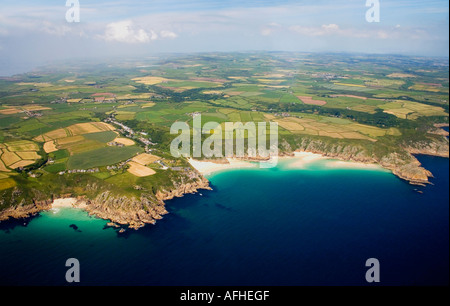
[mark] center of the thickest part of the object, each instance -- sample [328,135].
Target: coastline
[210,167]
[68,203]
[147,210]
[130,212]
[300,159]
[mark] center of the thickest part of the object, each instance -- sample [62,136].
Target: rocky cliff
[402,163]
[24,210]
[137,212]
[131,211]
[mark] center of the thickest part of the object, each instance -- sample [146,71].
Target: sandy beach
[206,168]
[68,203]
[304,158]
[353,165]
[300,160]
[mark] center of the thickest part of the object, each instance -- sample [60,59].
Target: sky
[37,32]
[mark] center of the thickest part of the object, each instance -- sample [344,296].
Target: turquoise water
[281,226]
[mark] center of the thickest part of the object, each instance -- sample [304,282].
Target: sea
[315,225]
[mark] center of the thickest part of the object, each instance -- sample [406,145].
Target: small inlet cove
[308,221]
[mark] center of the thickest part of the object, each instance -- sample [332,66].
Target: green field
[101,157]
[103,137]
[374,104]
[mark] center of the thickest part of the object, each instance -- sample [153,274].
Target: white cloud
[126,32]
[168,34]
[326,29]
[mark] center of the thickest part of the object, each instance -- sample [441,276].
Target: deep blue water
[282,226]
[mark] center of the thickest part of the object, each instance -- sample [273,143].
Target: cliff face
[182,189]
[124,210]
[136,213]
[25,210]
[402,164]
[435,148]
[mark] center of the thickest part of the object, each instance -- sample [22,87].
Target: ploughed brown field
[311,101]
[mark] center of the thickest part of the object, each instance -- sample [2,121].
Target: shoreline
[411,172]
[300,159]
[210,167]
[65,203]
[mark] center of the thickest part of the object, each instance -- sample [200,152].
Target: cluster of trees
[158,134]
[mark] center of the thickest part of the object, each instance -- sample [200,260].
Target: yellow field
[32,107]
[400,113]
[73,100]
[364,108]
[394,132]
[28,155]
[16,154]
[235,93]
[369,130]
[349,96]
[140,170]
[69,140]
[56,134]
[22,145]
[127,105]
[2,165]
[35,84]
[135,97]
[75,130]
[7,183]
[351,85]
[269,117]
[145,159]
[22,163]
[88,128]
[81,146]
[125,141]
[270,81]
[147,105]
[354,135]
[150,80]
[237,78]
[290,126]
[10,111]
[340,130]
[274,86]
[10,158]
[411,110]
[332,135]
[120,115]
[401,75]
[50,147]
[423,87]
[19,109]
